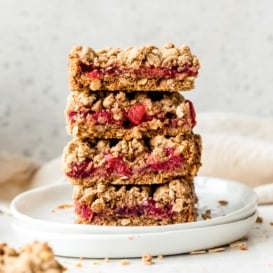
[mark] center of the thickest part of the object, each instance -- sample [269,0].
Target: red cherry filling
[135,115]
[116,166]
[72,116]
[112,166]
[151,72]
[172,163]
[83,210]
[81,170]
[102,117]
[147,208]
[94,74]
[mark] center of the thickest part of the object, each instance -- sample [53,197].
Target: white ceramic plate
[37,217]
[39,210]
[138,244]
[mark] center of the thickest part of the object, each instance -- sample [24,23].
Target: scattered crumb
[223,202]
[206,215]
[238,244]
[62,206]
[124,262]
[106,260]
[243,246]
[259,220]
[65,206]
[216,249]
[147,259]
[198,252]
[235,244]
[96,263]
[271,223]
[159,257]
[131,238]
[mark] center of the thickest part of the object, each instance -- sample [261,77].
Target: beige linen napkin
[235,147]
[240,148]
[15,174]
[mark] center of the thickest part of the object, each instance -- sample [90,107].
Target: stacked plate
[46,214]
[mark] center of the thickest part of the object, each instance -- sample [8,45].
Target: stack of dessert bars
[133,156]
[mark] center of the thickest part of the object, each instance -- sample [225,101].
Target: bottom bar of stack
[136,205]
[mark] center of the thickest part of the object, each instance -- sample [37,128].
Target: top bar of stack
[143,68]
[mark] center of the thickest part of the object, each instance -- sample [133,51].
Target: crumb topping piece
[135,57]
[36,257]
[259,220]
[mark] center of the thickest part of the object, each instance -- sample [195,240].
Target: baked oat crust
[129,205]
[136,161]
[116,69]
[105,114]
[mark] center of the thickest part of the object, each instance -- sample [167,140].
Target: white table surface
[257,258]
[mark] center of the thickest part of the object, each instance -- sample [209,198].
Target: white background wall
[233,40]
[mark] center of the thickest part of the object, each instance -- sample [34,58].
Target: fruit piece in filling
[152,110]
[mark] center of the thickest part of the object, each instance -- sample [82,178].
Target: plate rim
[132,247]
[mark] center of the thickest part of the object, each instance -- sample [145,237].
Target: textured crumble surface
[106,114]
[116,69]
[172,202]
[33,258]
[138,161]
[134,154]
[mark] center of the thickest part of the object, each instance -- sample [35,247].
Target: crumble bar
[137,161]
[144,68]
[33,258]
[136,205]
[128,115]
